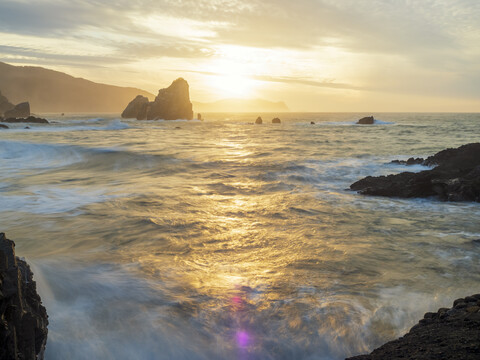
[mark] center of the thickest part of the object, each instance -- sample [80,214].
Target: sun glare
[230,79]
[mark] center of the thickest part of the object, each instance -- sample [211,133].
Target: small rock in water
[3,126]
[276,121]
[312,122]
[259,120]
[367,120]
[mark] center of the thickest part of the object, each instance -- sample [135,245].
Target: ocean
[223,239]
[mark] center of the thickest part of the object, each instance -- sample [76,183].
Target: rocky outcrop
[170,104]
[276,121]
[367,120]
[30,119]
[5,105]
[23,319]
[447,334]
[19,111]
[136,108]
[456,177]
[259,120]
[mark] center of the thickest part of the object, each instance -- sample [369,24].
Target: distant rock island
[8,110]
[50,91]
[170,104]
[367,120]
[456,177]
[241,105]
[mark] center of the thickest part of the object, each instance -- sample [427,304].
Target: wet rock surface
[456,177]
[452,334]
[23,319]
[171,103]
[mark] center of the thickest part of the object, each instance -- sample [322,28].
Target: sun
[231,85]
[231,74]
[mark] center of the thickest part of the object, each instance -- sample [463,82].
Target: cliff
[54,91]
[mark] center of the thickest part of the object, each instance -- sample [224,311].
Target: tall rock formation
[21,110]
[5,105]
[23,319]
[170,104]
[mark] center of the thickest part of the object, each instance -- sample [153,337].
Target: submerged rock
[23,319]
[276,121]
[367,120]
[456,177]
[30,119]
[19,111]
[5,105]
[447,334]
[171,103]
[259,120]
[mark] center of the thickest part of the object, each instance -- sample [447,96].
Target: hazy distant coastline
[50,91]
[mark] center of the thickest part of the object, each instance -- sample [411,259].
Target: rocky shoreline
[448,334]
[23,319]
[455,177]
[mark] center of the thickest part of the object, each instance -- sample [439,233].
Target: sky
[316,55]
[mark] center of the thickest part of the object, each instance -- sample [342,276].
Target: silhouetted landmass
[170,104]
[23,319]
[54,91]
[5,105]
[241,105]
[19,110]
[456,177]
[448,334]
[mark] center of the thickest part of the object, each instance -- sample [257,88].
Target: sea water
[223,239]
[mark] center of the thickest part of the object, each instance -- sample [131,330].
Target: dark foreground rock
[171,103]
[23,319]
[3,126]
[367,120]
[456,177]
[452,334]
[19,111]
[30,119]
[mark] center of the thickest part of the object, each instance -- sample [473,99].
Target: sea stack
[23,319]
[5,105]
[367,120]
[171,103]
[259,120]
[276,121]
[21,110]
